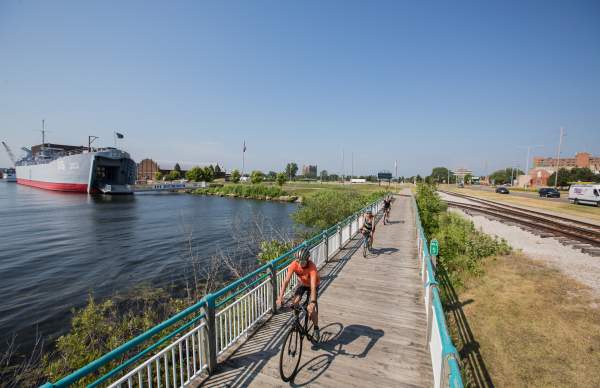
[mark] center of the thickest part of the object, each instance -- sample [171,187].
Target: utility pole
[352,176]
[343,168]
[529,148]
[562,133]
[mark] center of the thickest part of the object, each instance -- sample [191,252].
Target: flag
[244,149]
[119,135]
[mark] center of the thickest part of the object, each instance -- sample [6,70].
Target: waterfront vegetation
[327,207]
[253,191]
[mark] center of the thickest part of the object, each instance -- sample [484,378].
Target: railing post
[274,290]
[326,242]
[339,232]
[430,313]
[211,332]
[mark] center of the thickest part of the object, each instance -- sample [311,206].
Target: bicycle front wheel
[291,351]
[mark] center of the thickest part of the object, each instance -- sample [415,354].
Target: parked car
[549,192]
[585,194]
[502,190]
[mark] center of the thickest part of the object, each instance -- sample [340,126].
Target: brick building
[581,160]
[309,171]
[147,169]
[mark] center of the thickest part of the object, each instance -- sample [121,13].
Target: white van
[589,194]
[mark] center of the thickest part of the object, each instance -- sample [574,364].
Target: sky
[457,84]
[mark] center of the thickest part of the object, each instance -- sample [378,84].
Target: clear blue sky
[427,84]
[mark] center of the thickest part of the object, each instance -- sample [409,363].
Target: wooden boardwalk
[372,320]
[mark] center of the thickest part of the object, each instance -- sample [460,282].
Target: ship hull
[81,173]
[72,187]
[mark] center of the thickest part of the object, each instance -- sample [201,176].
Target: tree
[174,175]
[272,175]
[291,169]
[235,176]
[439,174]
[256,177]
[209,174]
[324,175]
[281,178]
[500,177]
[195,174]
[334,177]
[158,176]
[564,177]
[467,178]
[177,167]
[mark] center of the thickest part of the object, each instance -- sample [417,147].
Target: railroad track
[577,231]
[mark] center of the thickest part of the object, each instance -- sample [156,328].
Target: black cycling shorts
[301,289]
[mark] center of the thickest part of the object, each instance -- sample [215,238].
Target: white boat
[9,175]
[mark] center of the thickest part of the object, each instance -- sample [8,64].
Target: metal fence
[212,326]
[444,358]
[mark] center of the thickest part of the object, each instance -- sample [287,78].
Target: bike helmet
[302,256]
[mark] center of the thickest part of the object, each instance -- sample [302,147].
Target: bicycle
[367,243]
[291,351]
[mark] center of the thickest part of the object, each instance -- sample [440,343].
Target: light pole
[562,133]
[529,148]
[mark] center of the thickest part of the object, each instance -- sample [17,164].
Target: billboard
[384,176]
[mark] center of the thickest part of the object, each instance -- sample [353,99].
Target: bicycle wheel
[365,243]
[291,351]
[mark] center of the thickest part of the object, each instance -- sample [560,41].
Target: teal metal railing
[444,357]
[210,327]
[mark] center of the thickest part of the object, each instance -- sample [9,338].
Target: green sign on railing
[434,247]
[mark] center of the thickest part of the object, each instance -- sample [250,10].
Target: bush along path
[464,251]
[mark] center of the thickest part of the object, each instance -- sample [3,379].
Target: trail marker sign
[434,247]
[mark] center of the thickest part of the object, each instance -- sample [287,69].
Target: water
[56,248]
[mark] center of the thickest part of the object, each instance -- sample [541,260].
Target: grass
[581,211]
[303,189]
[525,324]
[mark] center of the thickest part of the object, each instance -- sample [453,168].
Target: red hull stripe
[77,187]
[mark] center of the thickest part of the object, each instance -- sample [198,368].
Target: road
[523,194]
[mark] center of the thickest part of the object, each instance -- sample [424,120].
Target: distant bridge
[381,319]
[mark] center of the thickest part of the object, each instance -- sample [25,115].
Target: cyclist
[368,228]
[387,206]
[308,277]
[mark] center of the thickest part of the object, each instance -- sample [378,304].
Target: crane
[9,152]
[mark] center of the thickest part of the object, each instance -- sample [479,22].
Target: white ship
[77,169]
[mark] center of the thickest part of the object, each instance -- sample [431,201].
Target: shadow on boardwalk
[247,362]
[334,339]
[472,362]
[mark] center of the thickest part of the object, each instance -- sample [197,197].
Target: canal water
[56,248]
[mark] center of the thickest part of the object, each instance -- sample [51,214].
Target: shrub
[235,176]
[430,206]
[272,249]
[281,178]
[325,208]
[257,177]
[462,247]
